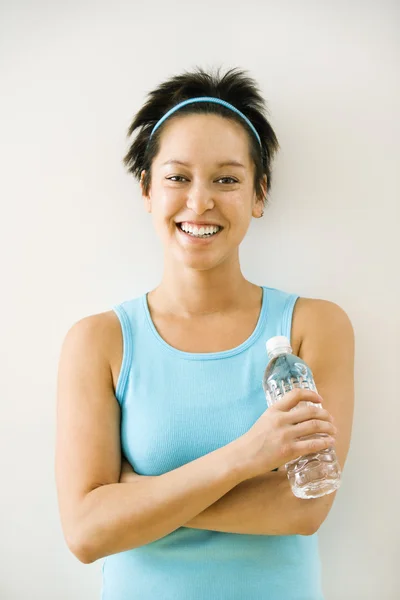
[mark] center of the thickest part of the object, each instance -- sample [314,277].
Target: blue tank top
[175,407]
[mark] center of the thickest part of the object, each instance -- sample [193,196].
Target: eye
[174,177]
[231,178]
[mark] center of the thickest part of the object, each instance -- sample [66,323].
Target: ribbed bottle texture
[313,475]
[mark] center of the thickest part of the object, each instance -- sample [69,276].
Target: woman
[168,462]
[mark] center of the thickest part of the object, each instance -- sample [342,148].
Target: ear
[258,204]
[146,198]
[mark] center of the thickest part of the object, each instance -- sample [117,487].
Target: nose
[199,199]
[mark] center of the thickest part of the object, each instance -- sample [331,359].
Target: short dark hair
[235,87]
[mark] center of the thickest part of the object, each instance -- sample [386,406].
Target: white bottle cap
[278,341]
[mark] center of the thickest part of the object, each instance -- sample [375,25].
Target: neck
[190,292]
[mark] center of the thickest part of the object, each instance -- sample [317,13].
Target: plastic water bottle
[312,475]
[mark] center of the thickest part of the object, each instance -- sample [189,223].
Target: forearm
[121,516]
[264,505]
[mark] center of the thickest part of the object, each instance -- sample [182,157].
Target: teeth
[201,231]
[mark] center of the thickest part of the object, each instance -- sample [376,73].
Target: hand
[127,472]
[274,439]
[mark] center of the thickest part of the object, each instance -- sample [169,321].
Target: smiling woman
[209,184]
[168,463]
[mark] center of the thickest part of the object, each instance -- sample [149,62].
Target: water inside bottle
[313,475]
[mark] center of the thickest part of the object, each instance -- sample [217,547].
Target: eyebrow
[230,163]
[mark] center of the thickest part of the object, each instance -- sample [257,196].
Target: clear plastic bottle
[312,475]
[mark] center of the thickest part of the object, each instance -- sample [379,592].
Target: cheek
[167,205]
[239,208]
[239,214]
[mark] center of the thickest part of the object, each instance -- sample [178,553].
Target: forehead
[194,134]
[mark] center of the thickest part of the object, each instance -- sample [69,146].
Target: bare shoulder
[101,335]
[318,318]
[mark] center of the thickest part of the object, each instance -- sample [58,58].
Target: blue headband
[206,99]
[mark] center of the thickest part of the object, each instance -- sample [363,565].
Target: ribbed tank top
[176,407]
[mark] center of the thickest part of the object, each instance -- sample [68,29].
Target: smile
[211,232]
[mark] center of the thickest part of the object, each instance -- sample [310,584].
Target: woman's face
[202,191]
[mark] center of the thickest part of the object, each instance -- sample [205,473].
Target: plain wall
[75,238]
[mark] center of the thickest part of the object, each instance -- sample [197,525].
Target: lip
[194,240]
[199,223]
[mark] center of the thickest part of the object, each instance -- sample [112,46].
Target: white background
[75,238]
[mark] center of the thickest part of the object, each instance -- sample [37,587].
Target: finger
[313,426]
[291,399]
[305,413]
[303,447]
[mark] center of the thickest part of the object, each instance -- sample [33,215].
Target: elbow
[311,528]
[308,525]
[312,522]
[315,513]
[81,549]
[83,557]
[82,538]
[82,553]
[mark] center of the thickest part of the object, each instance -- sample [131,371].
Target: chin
[189,260]
[198,264]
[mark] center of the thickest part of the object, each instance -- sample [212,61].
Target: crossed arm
[265,505]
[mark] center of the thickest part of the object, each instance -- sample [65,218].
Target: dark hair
[234,87]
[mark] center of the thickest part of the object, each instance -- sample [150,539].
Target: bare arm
[262,505]
[100,516]
[265,505]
